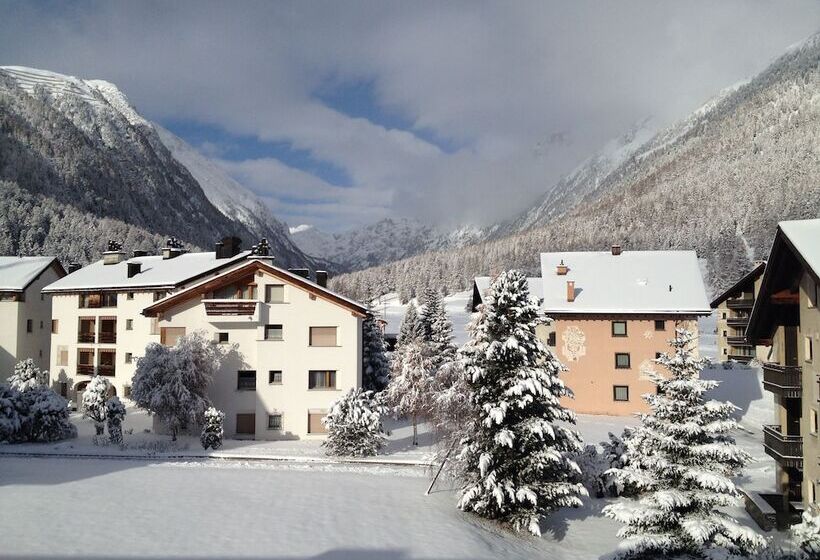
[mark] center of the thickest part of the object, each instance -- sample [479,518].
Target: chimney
[321,278]
[562,269]
[73,267]
[616,250]
[570,290]
[114,254]
[303,272]
[134,269]
[228,247]
[173,248]
[140,253]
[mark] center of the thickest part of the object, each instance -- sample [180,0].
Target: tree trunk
[174,433]
[100,427]
[415,432]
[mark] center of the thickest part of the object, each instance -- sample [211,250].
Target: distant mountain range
[717,182]
[79,165]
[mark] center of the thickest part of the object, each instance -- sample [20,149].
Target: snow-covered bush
[27,375]
[172,383]
[806,534]
[682,459]
[115,414]
[212,430]
[354,425]
[593,467]
[410,391]
[514,463]
[375,365]
[48,415]
[12,415]
[93,405]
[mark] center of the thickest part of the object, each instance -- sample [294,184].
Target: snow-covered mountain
[79,165]
[384,241]
[717,182]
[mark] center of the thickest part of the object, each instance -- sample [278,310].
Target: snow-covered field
[392,310]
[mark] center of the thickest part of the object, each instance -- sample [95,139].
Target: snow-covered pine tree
[441,343]
[431,304]
[685,469]
[411,328]
[412,385]
[172,383]
[93,405]
[806,535]
[375,365]
[514,463]
[27,375]
[354,425]
[114,415]
[212,430]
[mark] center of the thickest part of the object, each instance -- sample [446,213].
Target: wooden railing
[786,450]
[737,341]
[230,307]
[740,303]
[737,321]
[108,337]
[783,380]
[83,369]
[85,337]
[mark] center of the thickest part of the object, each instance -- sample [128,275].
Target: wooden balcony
[740,303]
[783,380]
[108,337]
[106,370]
[737,321]
[230,307]
[85,337]
[737,341]
[83,369]
[786,450]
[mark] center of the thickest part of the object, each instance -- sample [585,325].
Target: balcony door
[790,350]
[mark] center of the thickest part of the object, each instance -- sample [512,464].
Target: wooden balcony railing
[85,337]
[737,341]
[108,337]
[740,303]
[106,370]
[737,321]
[785,381]
[230,307]
[83,369]
[786,450]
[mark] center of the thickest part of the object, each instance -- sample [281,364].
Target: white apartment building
[98,325]
[25,313]
[293,346]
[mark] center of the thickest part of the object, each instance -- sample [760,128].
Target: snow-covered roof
[804,236]
[155,272]
[483,285]
[16,273]
[656,282]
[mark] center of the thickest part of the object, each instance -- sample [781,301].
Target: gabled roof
[483,284]
[634,282]
[748,281]
[251,266]
[795,250]
[156,272]
[17,273]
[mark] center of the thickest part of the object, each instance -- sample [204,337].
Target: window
[29,325]
[275,377]
[275,293]
[41,325]
[808,348]
[62,355]
[42,297]
[660,325]
[126,391]
[129,295]
[725,352]
[129,324]
[622,360]
[723,315]
[812,486]
[106,364]
[273,332]
[275,422]
[813,421]
[620,392]
[98,299]
[725,334]
[158,295]
[154,325]
[169,336]
[129,357]
[222,337]
[55,326]
[618,328]
[315,425]
[551,339]
[323,336]
[321,379]
[246,380]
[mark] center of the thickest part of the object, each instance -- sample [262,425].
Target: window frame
[29,326]
[335,337]
[268,291]
[626,329]
[227,336]
[272,376]
[628,360]
[329,374]
[55,326]
[129,324]
[615,393]
[272,328]
[808,348]
[281,417]
[129,357]
[662,323]
[239,379]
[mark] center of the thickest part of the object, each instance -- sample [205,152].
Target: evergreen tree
[93,405]
[27,375]
[213,430]
[173,382]
[375,365]
[431,303]
[411,387]
[354,425]
[515,463]
[115,414]
[12,414]
[806,534]
[48,415]
[411,328]
[682,458]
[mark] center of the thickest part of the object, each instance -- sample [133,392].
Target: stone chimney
[321,278]
[73,267]
[173,248]
[228,247]
[114,254]
[570,290]
[562,269]
[616,250]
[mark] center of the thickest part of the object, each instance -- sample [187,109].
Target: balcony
[85,337]
[786,450]
[737,321]
[231,309]
[783,380]
[106,370]
[746,303]
[108,337]
[85,369]
[737,341]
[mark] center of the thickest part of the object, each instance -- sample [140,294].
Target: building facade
[786,319]
[292,346]
[610,314]
[25,313]
[733,308]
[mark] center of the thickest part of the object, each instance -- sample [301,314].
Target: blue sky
[338,114]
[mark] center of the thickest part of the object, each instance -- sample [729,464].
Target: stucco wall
[809,327]
[587,347]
